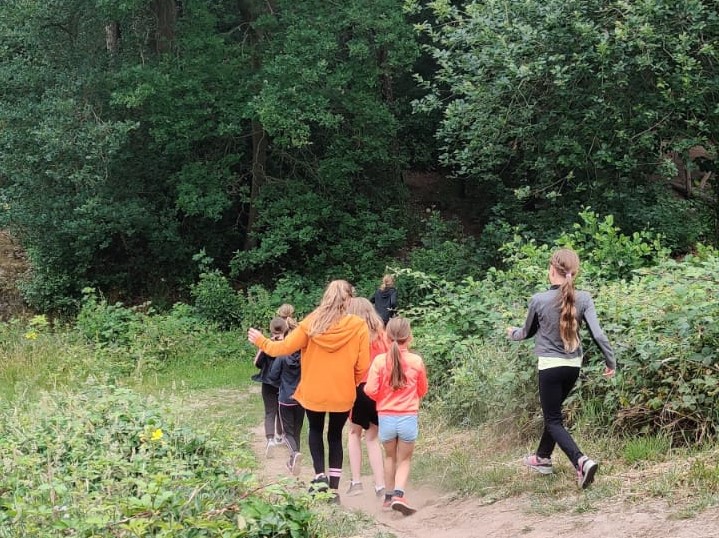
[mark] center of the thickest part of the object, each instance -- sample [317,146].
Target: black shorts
[364,411]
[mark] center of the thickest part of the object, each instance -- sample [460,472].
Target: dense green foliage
[273,136]
[551,105]
[136,134]
[113,465]
[659,314]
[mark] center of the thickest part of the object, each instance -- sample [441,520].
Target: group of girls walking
[353,366]
[335,359]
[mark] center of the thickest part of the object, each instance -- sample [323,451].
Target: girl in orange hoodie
[397,381]
[335,357]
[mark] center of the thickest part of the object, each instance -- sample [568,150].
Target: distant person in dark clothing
[385,299]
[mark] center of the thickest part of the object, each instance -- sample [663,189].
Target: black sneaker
[319,484]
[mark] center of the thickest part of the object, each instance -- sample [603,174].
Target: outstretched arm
[597,334]
[296,340]
[531,324]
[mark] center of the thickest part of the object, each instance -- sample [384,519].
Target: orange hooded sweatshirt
[332,363]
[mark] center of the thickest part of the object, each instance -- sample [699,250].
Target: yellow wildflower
[31,335]
[156,435]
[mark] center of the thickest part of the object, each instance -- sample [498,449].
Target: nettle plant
[105,462]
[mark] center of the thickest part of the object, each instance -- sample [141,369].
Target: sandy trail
[443,515]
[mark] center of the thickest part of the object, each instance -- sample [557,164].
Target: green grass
[211,390]
[195,375]
[485,462]
[652,448]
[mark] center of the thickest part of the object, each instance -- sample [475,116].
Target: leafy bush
[659,314]
[216,301]
[137,340]
[444,250]
[664,327]
[114,465]
[609,254]
[489,383]
[105,323]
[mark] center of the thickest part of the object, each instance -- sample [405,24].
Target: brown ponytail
[397,379]
[566,264]
[399,333]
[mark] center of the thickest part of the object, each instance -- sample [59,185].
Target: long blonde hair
[359,306]
[399,333]
[332,308]
[287,312]
[387,282]
[566,263]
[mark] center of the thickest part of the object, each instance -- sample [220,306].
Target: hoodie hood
[386,293]
[338,334]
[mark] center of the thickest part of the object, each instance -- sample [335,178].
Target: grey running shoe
[295,463]
[355,488]
[586,469]
[541,465]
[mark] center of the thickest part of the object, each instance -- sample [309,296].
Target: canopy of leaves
[572,102]
[136,134]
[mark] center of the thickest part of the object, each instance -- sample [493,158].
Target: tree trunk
[259,161]
[112,38]
[250,12]
[165,12]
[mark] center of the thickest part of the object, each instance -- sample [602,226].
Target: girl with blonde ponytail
[553,319]
[363,416]
[397,381]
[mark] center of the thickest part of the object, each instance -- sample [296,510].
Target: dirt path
[442,515]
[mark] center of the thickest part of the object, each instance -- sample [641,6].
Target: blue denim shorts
[402,427]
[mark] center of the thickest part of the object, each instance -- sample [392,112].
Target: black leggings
[316,420]
[555,384]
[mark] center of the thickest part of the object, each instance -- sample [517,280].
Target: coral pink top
[404,400]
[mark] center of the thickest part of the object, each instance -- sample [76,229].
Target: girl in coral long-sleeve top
[397,381]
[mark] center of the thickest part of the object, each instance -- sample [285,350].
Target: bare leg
[390,464]
[404,459]
[354,449]
[374,454]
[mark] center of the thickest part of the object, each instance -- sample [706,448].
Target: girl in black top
[385,299]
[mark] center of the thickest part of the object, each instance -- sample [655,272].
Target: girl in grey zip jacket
[554,319]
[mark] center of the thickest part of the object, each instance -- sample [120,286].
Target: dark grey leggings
[337,421]
[555,384]
[270,395]
[292,418]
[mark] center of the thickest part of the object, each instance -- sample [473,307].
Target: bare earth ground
[444,515]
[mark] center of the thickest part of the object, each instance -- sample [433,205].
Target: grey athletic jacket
[543,323]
